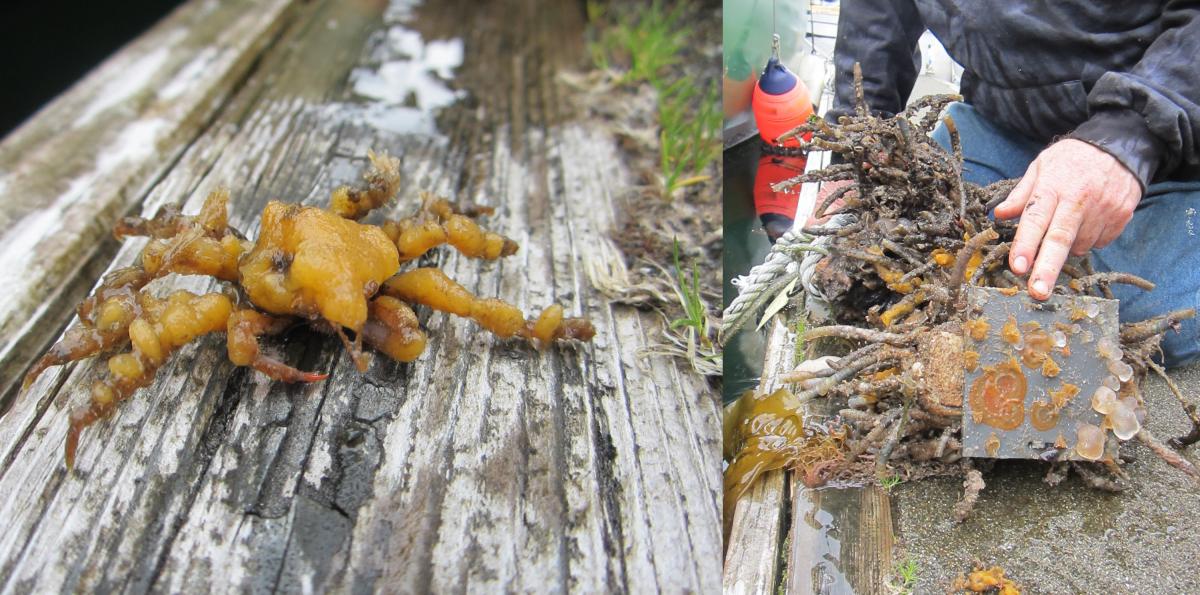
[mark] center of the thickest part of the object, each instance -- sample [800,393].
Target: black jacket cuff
[1123,133]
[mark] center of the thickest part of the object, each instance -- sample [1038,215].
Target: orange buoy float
[781,102]
[773,169]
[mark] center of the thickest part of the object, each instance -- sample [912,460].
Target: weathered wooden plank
[485,465]
[90,155]
[841,540]
[752,554]
[752,558]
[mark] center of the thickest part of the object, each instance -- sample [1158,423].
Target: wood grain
[484,466]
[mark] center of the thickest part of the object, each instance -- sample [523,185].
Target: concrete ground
[1069,538]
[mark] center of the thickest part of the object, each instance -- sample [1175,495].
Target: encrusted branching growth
[313,266]
[910,235]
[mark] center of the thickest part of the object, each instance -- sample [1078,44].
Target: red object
[780,102]
[773,169]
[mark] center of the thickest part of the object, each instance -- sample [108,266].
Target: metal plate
[988,419]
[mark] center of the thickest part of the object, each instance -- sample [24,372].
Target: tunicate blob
[1138,410]
[1124,421]
[1120,369]
[1108,348]
[1089,442]
[1112,383]
[1009,332]
[1043,416]
[1104,400]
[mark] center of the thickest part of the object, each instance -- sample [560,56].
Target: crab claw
[278,370]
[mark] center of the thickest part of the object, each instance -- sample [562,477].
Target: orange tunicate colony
[970,360]
[1038,344]
[892,277]
[1050,368]
[977,328]
[1009,331]
[998,396]
[1043,416]
[1063,395]
[992,446]
[990,580]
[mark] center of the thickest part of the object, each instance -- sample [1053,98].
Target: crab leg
[431,287]
[77,343]
[393,329]
[381,183]
[104,319]
[162,327]
[125,281]
[243,329]
[213,219]
[440,222]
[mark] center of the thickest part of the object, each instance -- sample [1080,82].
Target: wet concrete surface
[1069,538]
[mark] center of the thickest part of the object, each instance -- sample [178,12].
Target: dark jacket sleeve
[882,36]
[1149,117]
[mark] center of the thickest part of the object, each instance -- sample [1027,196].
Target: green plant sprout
[694,309]
[906,576]
[651,41]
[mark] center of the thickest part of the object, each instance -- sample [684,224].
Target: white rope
[794,255]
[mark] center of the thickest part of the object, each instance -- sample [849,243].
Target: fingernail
[1039,286]
[1019,265]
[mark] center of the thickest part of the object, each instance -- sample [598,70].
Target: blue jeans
[1160,243]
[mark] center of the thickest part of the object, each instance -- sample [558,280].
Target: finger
[1019,195]
[1056,246]
[1038,212]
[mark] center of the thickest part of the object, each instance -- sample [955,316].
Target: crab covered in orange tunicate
[321,267]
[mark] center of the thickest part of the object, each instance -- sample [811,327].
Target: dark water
[48,45]
[746,245]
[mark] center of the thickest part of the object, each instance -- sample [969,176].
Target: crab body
[311,263]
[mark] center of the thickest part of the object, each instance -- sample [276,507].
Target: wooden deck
[484,466]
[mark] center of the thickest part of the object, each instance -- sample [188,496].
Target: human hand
[1074,197]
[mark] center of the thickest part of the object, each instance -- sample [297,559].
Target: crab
[313,266]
